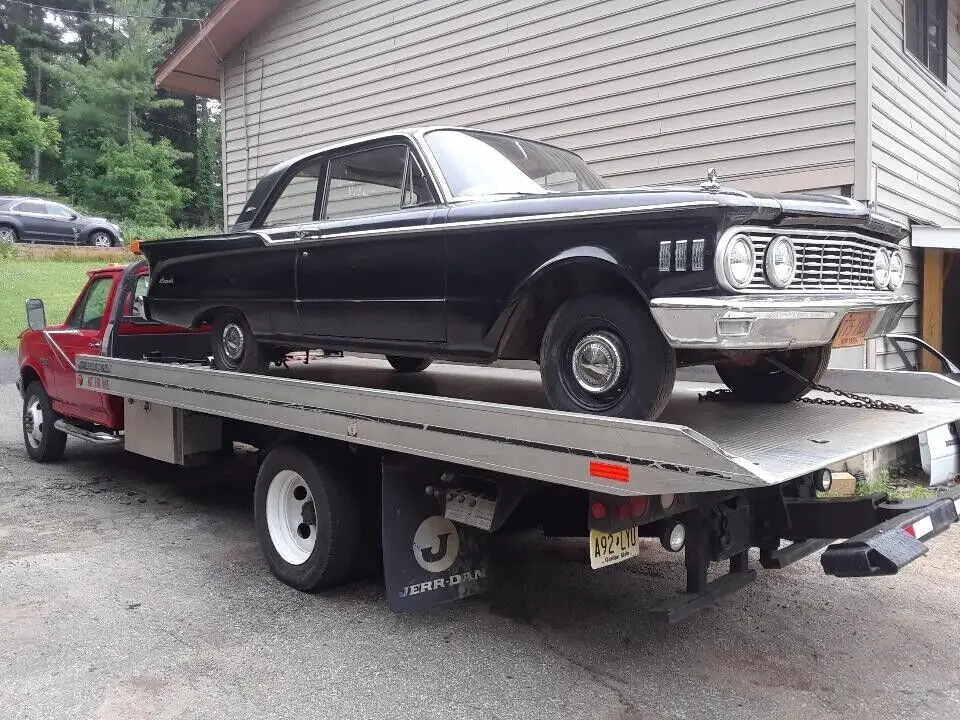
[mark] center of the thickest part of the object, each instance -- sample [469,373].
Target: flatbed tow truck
[432,465]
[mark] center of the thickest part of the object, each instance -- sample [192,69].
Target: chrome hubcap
[598,362]
[33,423]
[101,240]
[232,338]
[291,517]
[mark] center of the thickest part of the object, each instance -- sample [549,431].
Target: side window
[366,182]
[58,211]
[133,301]
[91,312]
[298,201]
[31,207]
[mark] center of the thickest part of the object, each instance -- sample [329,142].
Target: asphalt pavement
[129,589]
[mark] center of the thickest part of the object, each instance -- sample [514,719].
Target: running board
[96,437]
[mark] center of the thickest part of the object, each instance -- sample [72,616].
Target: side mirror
[36,314]
[138,310]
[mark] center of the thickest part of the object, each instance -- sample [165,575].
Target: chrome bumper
[744,322]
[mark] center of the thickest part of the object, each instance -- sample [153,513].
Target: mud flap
[427,559]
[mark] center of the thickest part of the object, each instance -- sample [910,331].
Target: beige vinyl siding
[915,140]
[646,91]
[916,123]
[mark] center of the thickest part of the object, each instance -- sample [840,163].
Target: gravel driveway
[132,590]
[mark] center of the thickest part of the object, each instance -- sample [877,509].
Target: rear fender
[575,271]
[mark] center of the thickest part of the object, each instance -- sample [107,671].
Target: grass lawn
[56,282]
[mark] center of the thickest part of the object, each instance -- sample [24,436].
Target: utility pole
[35,175]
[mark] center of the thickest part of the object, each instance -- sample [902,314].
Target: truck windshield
[477,164]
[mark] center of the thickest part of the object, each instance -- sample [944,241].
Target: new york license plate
[611,548]
[853,329]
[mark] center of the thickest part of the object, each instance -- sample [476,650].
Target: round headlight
[897,271]
[881,269]
[780,262]
[739,262]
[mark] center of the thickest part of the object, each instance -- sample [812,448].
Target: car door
[82,334]
[32,215]
[61,223]
[371,268]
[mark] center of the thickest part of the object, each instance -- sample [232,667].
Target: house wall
[645,90]
[915,143]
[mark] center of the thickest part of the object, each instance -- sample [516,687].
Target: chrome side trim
[520,220]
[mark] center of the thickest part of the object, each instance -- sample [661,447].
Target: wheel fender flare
[14,222]
[588,256]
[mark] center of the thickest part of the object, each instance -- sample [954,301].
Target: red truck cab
[104,320]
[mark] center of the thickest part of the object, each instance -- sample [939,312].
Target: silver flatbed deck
[496,419]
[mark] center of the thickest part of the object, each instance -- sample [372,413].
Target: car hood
[788,209]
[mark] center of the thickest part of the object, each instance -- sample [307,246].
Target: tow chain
[854,401]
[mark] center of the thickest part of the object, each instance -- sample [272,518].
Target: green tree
[209,177]
[21,129]
[135,181]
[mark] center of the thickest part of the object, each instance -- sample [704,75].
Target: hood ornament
[710,184]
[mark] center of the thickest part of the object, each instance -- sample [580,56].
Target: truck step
[96,437]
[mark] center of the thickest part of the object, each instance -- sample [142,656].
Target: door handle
[96,345]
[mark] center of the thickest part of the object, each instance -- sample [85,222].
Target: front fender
[591,255]
[581,269]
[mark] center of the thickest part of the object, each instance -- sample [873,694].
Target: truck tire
[43,441]
[408,364]
[604,354]
[308,520]
[764,382]
[234,346]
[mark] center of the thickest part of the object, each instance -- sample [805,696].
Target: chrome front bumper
[744,322]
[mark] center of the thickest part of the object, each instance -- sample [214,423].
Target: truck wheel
[234,346]
[604,354]
[43,441]
[408,364]
[308,520]
[764,382]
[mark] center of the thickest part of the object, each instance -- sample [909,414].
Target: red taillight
[598,511]
[639,505]
[624,511]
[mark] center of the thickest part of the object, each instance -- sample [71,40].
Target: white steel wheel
[33,422]
[291,517]
[308,518]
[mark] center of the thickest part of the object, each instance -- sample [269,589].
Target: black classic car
[29,219]
[475,246]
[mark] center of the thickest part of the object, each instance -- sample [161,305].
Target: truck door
[82,334]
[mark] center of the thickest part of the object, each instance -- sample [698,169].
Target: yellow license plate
[853,329]
[611,548]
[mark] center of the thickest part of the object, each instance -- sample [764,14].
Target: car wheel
[604,354]
[234,346]
[408,364]
[308,520]
[763,381]
[9,234]
[43,441]
[101,239]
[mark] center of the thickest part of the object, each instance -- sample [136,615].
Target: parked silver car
[27,219]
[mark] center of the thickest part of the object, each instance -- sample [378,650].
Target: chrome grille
[824,263]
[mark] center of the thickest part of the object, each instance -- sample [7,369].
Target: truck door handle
[96,345]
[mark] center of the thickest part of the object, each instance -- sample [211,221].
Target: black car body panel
[462,276]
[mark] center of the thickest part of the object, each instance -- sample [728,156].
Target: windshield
[476,164]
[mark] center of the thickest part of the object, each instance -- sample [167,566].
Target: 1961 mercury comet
[476,246]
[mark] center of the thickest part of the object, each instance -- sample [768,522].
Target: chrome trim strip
[519,220]
[681,258]
[697,255]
